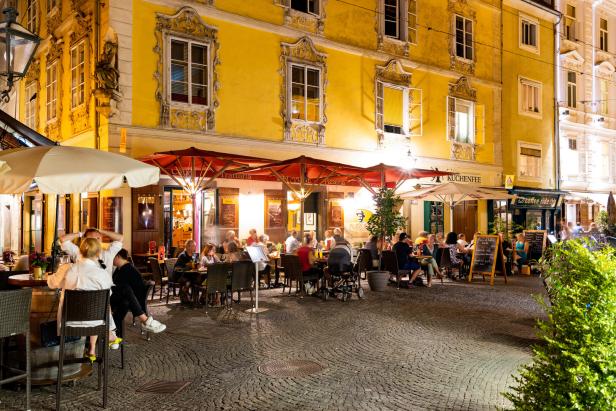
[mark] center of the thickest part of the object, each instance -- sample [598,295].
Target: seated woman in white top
[208,255]
[85,274]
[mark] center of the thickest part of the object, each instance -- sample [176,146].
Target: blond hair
[90,248]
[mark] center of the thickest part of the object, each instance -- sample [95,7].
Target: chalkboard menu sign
[487,253]
[484,256]
[536,240]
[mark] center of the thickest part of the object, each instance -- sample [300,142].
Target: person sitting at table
[129,294]
[306,262]
[291,244]
[329,240]
[452,244]
[208,255]
[315,243]
[185,261]
[107,255]
[234,253]
[85,274]
[520,251]
[230,237]
[429,264]
[403,251]
[372,245]
[440,240]
[338,236]
[252,237]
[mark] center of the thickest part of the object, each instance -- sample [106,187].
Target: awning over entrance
[537,199]
[14,134]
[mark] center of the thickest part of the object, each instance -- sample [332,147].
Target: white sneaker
[153,326]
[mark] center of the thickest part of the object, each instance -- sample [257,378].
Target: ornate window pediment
[304,80]
[187,31]
[605,68]
[572,59]
[306,15]
[464,21]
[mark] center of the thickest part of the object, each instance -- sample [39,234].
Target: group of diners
[232,250]
[92,268]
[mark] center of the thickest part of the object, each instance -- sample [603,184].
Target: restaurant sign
[464,178]
[536,201]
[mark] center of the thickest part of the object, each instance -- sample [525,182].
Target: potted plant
[383,224]
[38,263]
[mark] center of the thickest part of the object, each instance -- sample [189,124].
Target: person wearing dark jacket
[129,294]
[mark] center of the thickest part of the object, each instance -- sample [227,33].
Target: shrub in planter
[575,366]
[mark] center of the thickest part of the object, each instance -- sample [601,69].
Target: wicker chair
[171,285]
[292,272]
[242,278]
[81,305]
[364,262]
[390,263]
[15,319]
[217,275]
[157,276]
[446,264]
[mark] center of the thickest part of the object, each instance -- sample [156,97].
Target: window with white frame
[392,108]
[32,15]
[51,5]
[603,34]
[78,74]
[189,79]
[461,120]
[529,33]
[464,37]
[51,89]
[305,99]
[306,6]
[30,105]
[571,89]
[391,15]
[412,21]
[529,161]
[604,97]
[570,23]
[530,97]
[601,160]
[571,157]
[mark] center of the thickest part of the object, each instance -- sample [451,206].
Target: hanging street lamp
[17,47]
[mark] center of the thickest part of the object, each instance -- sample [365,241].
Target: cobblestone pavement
[449,347]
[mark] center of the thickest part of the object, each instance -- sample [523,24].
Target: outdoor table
[196,278]
[44,360]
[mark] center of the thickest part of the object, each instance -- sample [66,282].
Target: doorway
[178,218]
[465,219]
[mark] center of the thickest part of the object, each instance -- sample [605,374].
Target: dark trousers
[122,301]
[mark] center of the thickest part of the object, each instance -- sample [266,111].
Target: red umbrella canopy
[306,171]
[193,169]
[392,176]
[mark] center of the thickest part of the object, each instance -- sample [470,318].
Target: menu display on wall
[336,217]
[536,240]
[488,250]
[228,212]
[274,213]
[112,214]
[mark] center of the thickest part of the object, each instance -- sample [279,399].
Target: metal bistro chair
[157,276]
[15,319]
[242,278]
[217,275]
[446,264]
[390,263]
[171,285]
[292,272]
[364,263]
[82,305]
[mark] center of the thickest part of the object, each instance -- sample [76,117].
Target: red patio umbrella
[384,175]
[194,169]
[302,174]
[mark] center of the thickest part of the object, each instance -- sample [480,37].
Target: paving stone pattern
[450,347]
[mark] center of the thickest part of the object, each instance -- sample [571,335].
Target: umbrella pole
[54,249]
[301,215]
[451,207]
[193,197]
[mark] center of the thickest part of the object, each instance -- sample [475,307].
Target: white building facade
[587,105]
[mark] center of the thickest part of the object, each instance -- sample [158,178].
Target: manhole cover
[163,387]
[290,368]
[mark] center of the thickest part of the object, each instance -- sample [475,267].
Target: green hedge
[574,368]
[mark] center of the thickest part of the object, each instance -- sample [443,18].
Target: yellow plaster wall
[518,127]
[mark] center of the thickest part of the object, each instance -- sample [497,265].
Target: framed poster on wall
[111,218]
[146,204]
[228,201]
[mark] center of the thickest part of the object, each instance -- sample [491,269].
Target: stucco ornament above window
[303,113]
[572,59]
[186,26]
[462,9]
[311,20]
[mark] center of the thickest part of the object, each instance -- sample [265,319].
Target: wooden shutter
[379,106]
[451,118]
[415,112]
[480,124]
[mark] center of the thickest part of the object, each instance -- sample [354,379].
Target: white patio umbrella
[65,170]
[454,193]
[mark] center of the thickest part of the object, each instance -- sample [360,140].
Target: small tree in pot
[383,224]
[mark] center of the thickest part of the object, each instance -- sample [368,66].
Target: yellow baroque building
[415,83]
